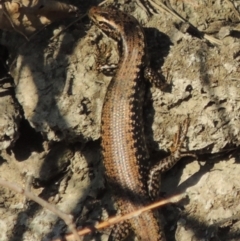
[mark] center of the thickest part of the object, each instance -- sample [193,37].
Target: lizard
[124,149]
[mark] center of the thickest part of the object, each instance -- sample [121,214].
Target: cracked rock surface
[50,121]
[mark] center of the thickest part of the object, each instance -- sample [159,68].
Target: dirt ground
[51,98]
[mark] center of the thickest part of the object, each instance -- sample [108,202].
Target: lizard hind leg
[169,161]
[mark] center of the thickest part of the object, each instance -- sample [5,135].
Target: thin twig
[68,26]
[5,12]
[117,219]
[73,22]
[67,218]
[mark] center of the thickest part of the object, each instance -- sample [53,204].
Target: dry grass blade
[168,9]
